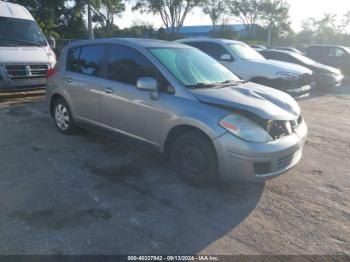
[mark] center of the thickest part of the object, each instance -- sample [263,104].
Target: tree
[106,11]
[345,24]
[327,23]
[56,18]
[48,14]
[216,10]
[250,12]
[277,18]
[172,12]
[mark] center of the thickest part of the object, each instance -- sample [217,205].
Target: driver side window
[126,65]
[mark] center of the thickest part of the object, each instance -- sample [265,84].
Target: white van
[25,54]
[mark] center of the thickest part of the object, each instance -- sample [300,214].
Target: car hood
[324,68]
[23,55]
[264,102]
[279,66]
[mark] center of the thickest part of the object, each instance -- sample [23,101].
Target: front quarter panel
[190,112]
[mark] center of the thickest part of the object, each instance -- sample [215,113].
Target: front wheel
[63,117]
[194,157]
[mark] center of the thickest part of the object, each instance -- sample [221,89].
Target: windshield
[245,52]
[193,68]
[303,59]
[19,32]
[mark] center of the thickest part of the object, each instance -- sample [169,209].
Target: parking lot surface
[86,194]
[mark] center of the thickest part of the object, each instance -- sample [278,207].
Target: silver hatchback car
[181,102]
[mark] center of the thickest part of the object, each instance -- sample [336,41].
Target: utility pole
[273,11]
[90,29]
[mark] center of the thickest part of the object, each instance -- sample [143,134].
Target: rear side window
[87,60]
[336,52]
[212,49]
[73,59]
[271,55]
[126,65]
[284,57]
[318,51]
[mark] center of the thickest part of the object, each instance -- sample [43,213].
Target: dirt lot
[87,195]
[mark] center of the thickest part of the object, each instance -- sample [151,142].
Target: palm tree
[327,23]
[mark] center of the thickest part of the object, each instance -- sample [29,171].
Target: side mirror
[226,57]
[147,84]
[52,42]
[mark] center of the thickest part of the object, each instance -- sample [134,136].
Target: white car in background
[25,54]
[249,65]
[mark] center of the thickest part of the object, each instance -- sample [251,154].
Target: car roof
[12,10]
[323,45]
[208,39]
[279,51]
[138,42]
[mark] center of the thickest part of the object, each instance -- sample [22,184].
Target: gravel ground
[85,194]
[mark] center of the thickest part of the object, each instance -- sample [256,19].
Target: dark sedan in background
[332,55]
[325,76]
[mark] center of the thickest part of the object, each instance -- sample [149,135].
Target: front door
[125,108]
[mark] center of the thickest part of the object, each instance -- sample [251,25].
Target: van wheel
[194,158]
[63,117]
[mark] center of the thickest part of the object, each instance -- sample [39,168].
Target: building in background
[205,30]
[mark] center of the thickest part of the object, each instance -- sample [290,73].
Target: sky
[300,10]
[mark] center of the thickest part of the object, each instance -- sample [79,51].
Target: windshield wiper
[233,82]
[18,42]
[31,43]
[5,42]
[201,85]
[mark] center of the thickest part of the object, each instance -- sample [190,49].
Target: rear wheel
[194,157]
[63,117]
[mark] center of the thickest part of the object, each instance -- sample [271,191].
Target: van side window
[126,65]
[87,60]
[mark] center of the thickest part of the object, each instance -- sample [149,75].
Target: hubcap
[194,160]
[62,117]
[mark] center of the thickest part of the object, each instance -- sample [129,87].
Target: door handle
[108,90]
[69,80]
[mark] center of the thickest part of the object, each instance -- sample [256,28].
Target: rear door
[83,81]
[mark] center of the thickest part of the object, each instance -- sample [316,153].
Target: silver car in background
[181,102]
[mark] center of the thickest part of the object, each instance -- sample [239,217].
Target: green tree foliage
[105,13]
[216,9]
[57,18]
[172,12]
[250,12]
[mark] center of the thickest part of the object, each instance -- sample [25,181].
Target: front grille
[279,129]
[285,162]
[303,80]
[306,79]
[262,168]
[20,72]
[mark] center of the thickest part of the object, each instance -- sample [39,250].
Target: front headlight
[245,129]
[288,76]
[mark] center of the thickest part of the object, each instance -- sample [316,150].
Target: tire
[194,157]
[63,117]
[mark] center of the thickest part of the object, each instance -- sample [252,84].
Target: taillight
[51,72]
